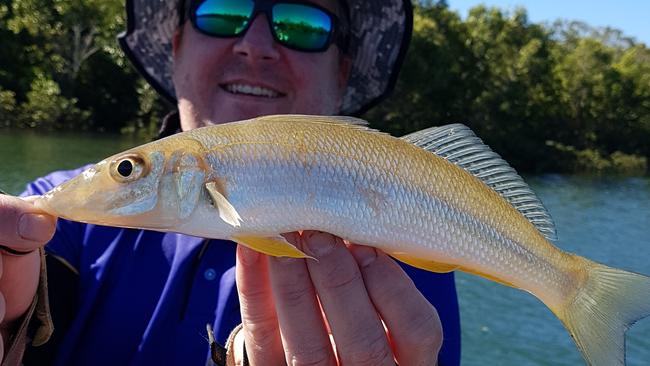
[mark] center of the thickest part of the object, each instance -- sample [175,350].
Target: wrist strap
[225,356]
[15,253]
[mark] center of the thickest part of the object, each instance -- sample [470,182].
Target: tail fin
[607,304]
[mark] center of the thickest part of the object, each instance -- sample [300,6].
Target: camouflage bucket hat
[380,32]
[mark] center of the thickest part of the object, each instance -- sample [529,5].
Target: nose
[258,43]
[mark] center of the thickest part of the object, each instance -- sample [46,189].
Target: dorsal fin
[343,121]
[458,144]
[340,120]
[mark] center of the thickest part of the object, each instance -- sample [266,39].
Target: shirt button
[210,274]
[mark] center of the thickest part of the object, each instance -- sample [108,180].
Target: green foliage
[7,108]
[46,108]
[151,107]
[562,97]
[629,164]
[567,97]
[61,61]
[68,32]
[569,159]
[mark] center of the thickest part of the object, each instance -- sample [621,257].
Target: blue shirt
[145,297]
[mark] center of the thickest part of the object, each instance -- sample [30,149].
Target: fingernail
[247,256]
[35,227]
[363,254]
[319,243]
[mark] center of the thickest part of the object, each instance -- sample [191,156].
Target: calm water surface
[603,218]
[26,155]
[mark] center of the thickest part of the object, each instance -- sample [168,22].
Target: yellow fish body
[458,208]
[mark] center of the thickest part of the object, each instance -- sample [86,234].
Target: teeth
[252,90]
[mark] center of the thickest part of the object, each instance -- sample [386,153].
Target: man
[123,296]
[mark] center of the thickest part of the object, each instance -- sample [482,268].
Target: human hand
[23,229]
[354,306]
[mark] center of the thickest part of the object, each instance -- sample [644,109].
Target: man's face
[221,80]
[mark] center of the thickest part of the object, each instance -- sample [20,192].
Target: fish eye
[128,168]
[125,168]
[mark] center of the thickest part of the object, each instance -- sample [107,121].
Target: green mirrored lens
[301,26]
[223,17]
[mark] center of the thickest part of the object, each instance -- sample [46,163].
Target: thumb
[23,227]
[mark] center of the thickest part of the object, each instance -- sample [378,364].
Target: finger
[261,334]
[356,327]
[22,226]
[3,331]
[3,307]
[303,331]
[413,323]
[29,199]
[20,278]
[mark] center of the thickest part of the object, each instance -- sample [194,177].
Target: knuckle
[371,352]
[252,294]
[419,328]
[395,292]
[319,356]
[260,325]
[423,333]
[9,225]
[9,213]
[295,295]
[261,332]
[254,319]
[341,276]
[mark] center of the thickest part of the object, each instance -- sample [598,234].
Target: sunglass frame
[337,35]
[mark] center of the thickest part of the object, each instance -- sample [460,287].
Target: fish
[438,199]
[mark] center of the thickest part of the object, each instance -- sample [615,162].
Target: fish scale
[340,159]
[438,199]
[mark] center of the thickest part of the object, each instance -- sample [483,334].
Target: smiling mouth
[255,91]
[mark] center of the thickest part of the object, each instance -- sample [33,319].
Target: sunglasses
[298,25]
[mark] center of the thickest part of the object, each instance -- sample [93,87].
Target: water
[26,155]
[605,219]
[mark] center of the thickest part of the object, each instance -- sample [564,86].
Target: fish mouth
[247,89]
[43,203]
[51,205]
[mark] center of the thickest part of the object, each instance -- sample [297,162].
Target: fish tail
[607,303]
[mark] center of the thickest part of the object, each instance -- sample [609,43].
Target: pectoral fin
[226,210]
[426,265]
[276,246]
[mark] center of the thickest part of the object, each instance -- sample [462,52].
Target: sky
[631,16]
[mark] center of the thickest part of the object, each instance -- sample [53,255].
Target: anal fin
[275,246]
[438,267]
[424,264]
[487,276]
